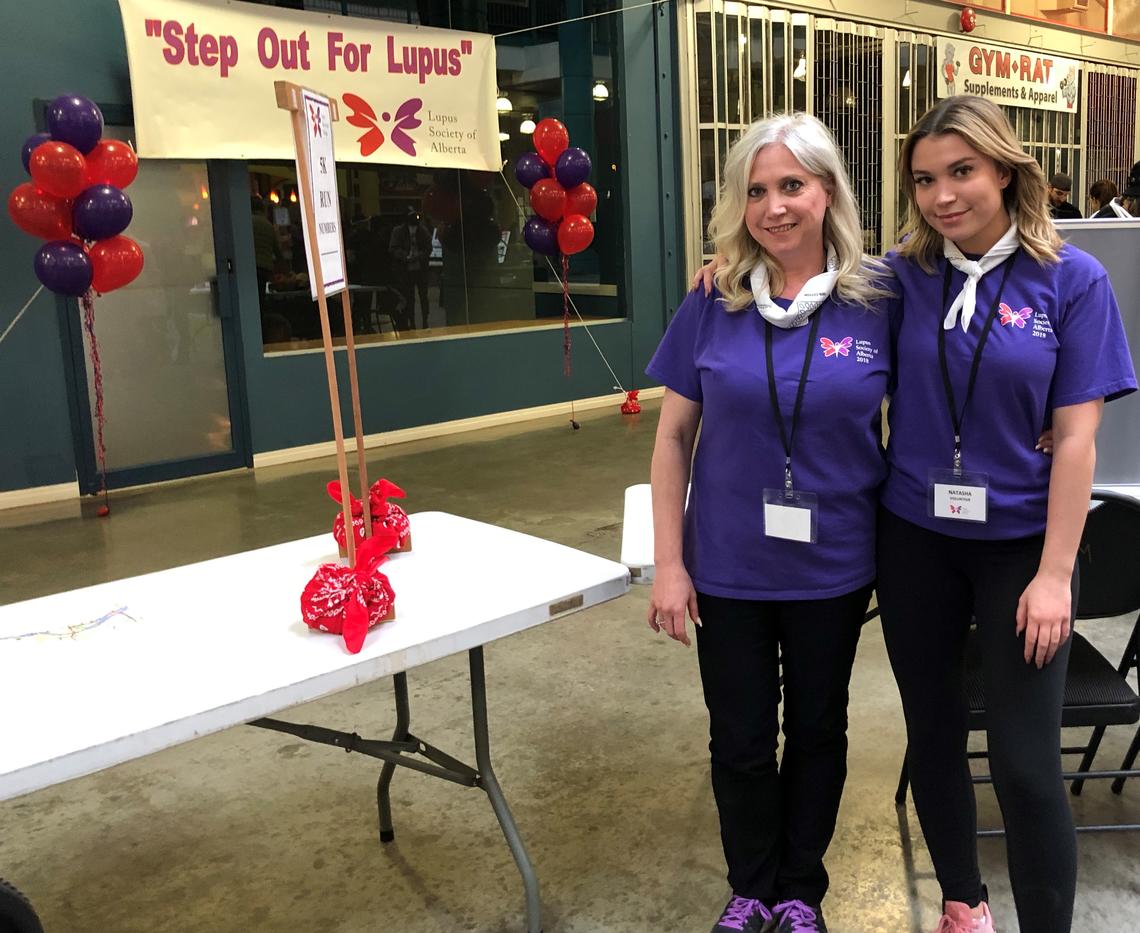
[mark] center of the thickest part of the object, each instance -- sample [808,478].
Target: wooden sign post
[313,116]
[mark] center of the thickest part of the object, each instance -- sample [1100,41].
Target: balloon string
[20,313]
[87,303]
[522,212]
[565,315]
[579,19]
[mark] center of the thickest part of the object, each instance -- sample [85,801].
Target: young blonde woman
[783,367]
[1004,331]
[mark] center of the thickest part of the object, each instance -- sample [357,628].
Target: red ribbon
[565,315]
[348,601]
[384,514]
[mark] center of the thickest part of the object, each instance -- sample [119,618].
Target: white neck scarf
[811,296]
[1118,208]
[968,296]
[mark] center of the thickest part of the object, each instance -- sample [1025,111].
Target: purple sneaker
[798,917]
[743,913]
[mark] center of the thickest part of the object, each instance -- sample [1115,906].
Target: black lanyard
[785,438]
[957,417]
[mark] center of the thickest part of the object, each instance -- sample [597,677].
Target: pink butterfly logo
[364,117]
[1017,318]
[830,348]
[955,510]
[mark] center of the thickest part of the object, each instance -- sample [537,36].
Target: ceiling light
[503,104]
[906,79]
[601,92]
[503,137]
[801,69]
[527,126]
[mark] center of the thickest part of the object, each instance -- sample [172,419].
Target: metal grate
[849,100]
[1108,151]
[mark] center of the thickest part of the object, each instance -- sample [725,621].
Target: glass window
[1088,14]
[439,252]
[1126,18]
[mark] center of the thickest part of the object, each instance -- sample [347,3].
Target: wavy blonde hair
[814,147]
[982,125]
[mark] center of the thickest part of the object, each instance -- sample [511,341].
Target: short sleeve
[1093,360]
[674,364]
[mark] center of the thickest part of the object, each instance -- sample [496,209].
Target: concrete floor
[597,728]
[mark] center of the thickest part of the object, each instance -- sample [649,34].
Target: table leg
[489,783]
[403,720]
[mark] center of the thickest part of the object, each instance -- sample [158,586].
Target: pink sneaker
[957,919]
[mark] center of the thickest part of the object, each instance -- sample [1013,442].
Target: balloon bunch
[555,174]
[76,201]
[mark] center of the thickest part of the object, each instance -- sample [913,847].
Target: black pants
[415,283]
[776,821]
[930,587]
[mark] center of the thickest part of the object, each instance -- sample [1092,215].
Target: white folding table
[112,672]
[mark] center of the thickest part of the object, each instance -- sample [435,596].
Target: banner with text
[1008,76]
[202,74]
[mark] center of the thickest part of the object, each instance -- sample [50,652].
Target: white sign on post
[319,164]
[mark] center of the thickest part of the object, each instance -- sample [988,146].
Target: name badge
[959,496]
[791,515]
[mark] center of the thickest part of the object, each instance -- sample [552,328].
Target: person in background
[1101,196]
[1128,204]
[266,248]
[1059,204]
[1004,330]
[783,368]
[410,246]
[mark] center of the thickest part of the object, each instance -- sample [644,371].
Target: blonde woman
[1004,331]
[783,367]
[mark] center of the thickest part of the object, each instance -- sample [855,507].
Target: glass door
[167,343]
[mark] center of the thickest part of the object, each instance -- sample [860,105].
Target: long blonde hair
[983,126]
[814,147]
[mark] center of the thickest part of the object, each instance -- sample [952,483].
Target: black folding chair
[1110,586]
[1097,694]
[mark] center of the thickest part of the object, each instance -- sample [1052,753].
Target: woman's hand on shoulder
[705,273]
[1044,613]
[672,596]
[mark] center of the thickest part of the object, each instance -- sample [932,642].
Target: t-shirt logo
[831,348]
[1017,318]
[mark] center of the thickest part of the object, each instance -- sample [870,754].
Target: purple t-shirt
[1058,341]
[716,358]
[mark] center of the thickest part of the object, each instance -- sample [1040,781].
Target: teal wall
[48,47]
[402,385]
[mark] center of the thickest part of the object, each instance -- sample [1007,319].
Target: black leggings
[776,821]
[930,587]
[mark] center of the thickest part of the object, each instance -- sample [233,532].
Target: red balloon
[58,169]
[575,233]
[40,214]
[582,199]
[548,198]
[115,262]
[550,138]
[112,162]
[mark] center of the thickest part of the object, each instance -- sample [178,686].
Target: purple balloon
[75,120]
[101,211]
[530,169]
[30,144]
[572,167]
[64,267]
[541,236]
